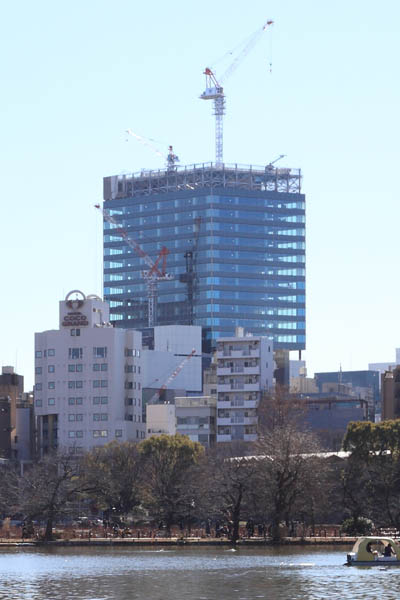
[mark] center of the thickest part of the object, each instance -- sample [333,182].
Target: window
[96,367]
[51,369]
[100,352]
[38,387]
[100,400]
[118,433]
[38,354]
[100,417]
[38,402]
[71,434]
[75,353]
[75,332]
[79,384]
[100,433]
[78,417]
[79,434]
[71,401]
[51,385]
[38,370]
[100,383]
[79,368]
[71,385]
[103,367]
[51,401]
[71,368]
[51,352]
[79,400]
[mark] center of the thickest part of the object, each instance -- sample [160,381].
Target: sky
[321,86]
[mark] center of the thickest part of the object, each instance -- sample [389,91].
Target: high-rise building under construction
[224,247]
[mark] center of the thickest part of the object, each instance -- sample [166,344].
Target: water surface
[206,573]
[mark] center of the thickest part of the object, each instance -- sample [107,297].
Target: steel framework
[203,175]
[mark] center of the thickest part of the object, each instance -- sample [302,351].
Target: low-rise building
[160,419]
[88,379]
[196,417]
[391,394]
[5,427]
[358,380]
[11,385]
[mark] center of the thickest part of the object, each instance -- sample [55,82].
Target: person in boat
[388,550]
[369,548]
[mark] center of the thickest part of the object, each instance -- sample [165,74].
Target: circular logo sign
[77,302]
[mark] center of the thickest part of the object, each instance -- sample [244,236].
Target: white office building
[245,367]
[88,379]
[175,361]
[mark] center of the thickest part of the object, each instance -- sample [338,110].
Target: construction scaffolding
[204,175]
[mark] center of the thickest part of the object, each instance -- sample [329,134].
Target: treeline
[283,478]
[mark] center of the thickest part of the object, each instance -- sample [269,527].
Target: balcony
[238,370]
[224,421]
[238,353]
[193,426]
[250,437]
[224,438]
[244,387]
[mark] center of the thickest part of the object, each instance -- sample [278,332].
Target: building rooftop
[202,175]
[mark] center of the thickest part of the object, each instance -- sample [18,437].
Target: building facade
[235,250]
[364,383]
[88,379]
[11,385]
[245,370]
[196,417]
[391,394]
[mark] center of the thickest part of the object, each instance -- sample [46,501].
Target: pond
[198,573]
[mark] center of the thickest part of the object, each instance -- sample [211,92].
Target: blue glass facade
[250,259]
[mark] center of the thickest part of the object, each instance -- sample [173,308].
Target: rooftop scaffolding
[200,176]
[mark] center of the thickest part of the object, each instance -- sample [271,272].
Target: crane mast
[190,275]
[215,91]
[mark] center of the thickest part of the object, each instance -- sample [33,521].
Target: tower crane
[190,276]
[170,159]
[215,91]
[270,166]
[156,271]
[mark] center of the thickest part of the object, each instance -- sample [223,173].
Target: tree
[112,473]
[168,462]
[47,489]
[374,467]
[228,479]
[289,471]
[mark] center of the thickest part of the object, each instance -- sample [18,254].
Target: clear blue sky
[75,75]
